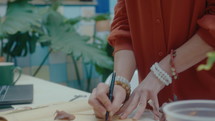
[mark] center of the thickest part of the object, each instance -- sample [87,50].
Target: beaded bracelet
[161,74]
[173,70]
[124,83]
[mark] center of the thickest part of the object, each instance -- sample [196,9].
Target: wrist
[165,65]
[125,84]
[168,65]
[158,85]
[161,74]
[123,92]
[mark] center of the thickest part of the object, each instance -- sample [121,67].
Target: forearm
[124,63]
[189,54]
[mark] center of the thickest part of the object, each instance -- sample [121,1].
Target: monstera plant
[17,26]
[63,37]
[24,25]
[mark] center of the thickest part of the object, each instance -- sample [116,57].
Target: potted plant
[63,36]
[18,30]
[48,27]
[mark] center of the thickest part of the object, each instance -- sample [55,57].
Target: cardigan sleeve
[120,37]
[207,24]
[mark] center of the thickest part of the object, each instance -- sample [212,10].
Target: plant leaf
[20,17]
[20,44]
[64,38]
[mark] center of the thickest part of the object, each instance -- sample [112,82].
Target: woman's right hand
[100,102]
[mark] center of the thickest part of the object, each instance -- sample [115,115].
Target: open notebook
[16,94]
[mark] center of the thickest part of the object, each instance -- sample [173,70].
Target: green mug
[7,71]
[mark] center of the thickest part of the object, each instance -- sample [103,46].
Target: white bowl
[190,110]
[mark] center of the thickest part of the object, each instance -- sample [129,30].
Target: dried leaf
[62,115]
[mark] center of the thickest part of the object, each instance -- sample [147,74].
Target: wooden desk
[46,92]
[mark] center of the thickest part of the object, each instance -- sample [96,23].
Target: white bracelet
[123,80]
[168,78]
[161,74]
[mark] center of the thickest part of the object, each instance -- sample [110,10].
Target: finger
[133,104]
[155,106]
[126,104]
[96,104]
[92,97]
[155,102]
[123,108]
[98,114]
[118,100]
[141,107]
[101,95]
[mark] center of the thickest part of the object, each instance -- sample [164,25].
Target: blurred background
[62,41]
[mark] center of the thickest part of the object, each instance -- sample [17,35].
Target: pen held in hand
[110,94]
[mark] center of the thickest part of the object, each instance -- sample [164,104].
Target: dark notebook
[17,94]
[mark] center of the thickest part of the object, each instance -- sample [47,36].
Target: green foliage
[18,26]
[20,44]
[20,17]
[24,25]
[99,17]
[63,37]
[210,62]
[105,71]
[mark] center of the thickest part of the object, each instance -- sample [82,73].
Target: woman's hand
[146,90]
[101,103]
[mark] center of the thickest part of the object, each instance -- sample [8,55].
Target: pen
[110,94]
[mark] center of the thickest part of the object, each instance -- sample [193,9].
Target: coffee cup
[7,72]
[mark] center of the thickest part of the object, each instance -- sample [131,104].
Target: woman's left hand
[145,91]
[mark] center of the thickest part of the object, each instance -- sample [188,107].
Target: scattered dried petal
[62,115]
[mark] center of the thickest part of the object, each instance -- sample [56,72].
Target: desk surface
[46,92]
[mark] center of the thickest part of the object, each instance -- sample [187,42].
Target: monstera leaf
[63,37]
[20,17]
[19,27]
[20,44]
